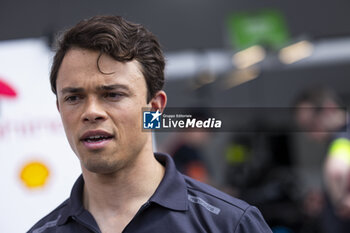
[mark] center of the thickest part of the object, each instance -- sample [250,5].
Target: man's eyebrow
[72,90]
[113,87]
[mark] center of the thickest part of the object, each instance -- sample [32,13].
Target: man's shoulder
[50,220]
[230,213]
[200,189]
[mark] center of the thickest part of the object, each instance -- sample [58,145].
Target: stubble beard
[107,164]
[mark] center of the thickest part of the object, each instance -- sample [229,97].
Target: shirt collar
[74,203]
[171,192]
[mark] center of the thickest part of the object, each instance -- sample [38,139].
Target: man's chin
[102,167]
[320,136]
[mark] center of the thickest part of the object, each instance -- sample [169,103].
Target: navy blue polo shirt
[180,204]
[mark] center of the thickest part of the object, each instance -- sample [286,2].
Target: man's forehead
[79,61]
[95,59]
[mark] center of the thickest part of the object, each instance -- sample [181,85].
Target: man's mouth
[96,139]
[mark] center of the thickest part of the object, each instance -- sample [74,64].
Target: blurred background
[232,54]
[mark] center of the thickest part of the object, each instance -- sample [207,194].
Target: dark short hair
[122,40]
[317,96]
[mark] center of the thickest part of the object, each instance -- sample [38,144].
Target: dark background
[182,24]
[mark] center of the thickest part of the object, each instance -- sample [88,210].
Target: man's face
[101,112]
[311,121]
[305,115]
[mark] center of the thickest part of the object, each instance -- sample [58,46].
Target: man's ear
[158,102]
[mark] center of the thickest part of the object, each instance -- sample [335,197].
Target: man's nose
[93,111]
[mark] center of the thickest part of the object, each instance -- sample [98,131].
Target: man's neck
[121,194]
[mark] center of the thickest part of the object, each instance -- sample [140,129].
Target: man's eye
[113,95]
[72,99]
